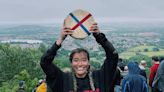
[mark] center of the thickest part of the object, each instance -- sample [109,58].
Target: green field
[140,50]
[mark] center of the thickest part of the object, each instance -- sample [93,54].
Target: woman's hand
[94,29]
[65,31]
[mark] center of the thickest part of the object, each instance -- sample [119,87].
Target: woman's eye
[75,60]
[84,60]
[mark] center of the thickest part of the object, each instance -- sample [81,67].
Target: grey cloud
[47,10]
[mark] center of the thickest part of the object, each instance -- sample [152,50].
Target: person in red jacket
[153,71]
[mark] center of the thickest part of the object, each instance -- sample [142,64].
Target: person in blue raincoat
[134,82]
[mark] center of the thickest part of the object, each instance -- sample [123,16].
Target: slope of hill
[142,50]
[26,29]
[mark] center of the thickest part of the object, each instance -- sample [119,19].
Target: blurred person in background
[158,82]
[143,66]
[21,86]
[134,82]
[153,70]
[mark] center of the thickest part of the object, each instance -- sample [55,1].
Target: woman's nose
[80,63]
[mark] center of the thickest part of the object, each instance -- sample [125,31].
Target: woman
[82,79]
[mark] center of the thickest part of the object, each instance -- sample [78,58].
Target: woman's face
[80,64]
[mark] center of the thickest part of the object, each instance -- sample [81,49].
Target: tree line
[18,63]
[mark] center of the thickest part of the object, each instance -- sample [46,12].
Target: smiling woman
[82,78]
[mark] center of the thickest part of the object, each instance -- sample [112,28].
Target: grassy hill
[143,50]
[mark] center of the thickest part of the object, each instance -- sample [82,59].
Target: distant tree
[146,50]
[12,84]
[96,65]
[63,52]
[42,48]
[155,49]
[14,59]
[62,61]
[30,83]
[139,50]
[138,53]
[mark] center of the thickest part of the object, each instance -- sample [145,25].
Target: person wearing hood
[134,82]
[158,81]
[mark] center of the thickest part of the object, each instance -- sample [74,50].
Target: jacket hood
[133,68]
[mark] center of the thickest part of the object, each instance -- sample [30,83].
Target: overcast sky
[22,11]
